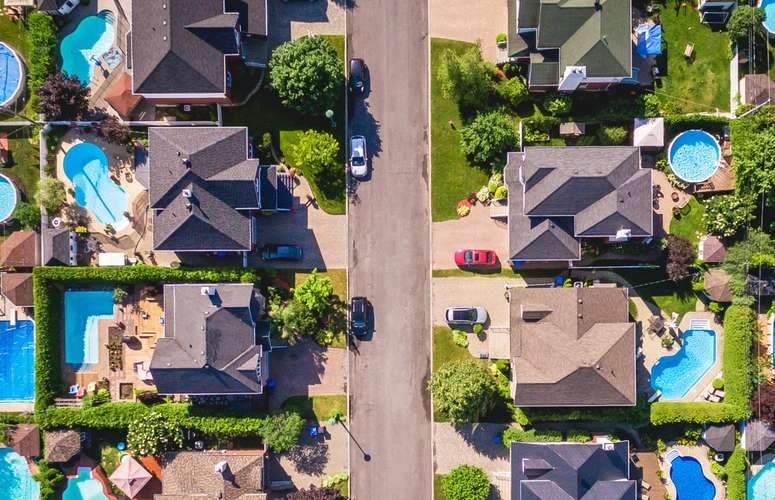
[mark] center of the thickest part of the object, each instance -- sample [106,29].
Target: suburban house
[59,247]
[572,347]
[19,253]
[559,196]
[572,44]
[572,471]
[205,189]
[214,475]
[214,343]
[179,51]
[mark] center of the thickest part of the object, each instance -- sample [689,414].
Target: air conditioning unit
[208,290]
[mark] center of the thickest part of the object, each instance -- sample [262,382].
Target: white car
[68,7]
[468,315]
[358,161]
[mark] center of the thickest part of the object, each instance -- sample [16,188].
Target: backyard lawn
[689,224]
[701,83]
[653,286]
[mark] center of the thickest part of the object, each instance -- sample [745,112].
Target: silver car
[358,167]
[468,315]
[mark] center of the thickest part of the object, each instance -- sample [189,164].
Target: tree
[557,103]
[153,434]
[612,135]
[466,482]
[281,431]
[726,214]
[466,77]
[757,249]
[63,97]
[680,257]
[28,215]
[315,493]
[463,391]
[513,91]
[488,137]
[744,21]
[316,154]
[754,154]
[316,293]
[763,402]
[51,194]
[41,41]
[294,319]
[115,131]
[50,478]
[307,74]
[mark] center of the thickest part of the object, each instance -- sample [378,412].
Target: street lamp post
[330,116]
[335,419]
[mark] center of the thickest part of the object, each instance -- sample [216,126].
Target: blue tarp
[649,40]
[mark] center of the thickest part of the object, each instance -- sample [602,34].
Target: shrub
[743,22]
[557,103]
[501,193]
[715,308]
[517,435]
[488,137]
[483,195]
[281,432]
[513,91]
[726,214]
[718,470]
[463,210]
[463,391]
[637,414]
[315,493]
[460,338]
[667,342]
[42,42]
[465,482]
[119,294]
[612,135]
[63,97]
[539,128]
[51,194]
[316,154]
[651,105]
[115,131]
[477,329]
[736,468]
[578,436]
[495,181]
[153,434]
[50,479]
[718,384]
[501,38]
[466,77]
[680,257]
[316,293]
[28,215]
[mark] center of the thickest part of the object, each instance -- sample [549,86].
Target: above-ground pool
[83,487]
[762,485]
[676,374]
[689,480]
[16,481]
[8,198]
[694,156]
[81,49]
[87,168]
[11,75]
[769,15]
[83,311]
[17,357]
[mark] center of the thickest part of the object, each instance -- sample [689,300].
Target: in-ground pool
[16,481]
[8,198]
[769,15]
[762,485]
[87,168]
[83,487]
[676,374]
[694,156]
[17,357]
[83,311]
[689,480]
[11,74]
[82,48]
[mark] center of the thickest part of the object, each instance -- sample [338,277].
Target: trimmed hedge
[680,123]
[740,331]
[736,468]
[516,435]
[578,436]
[638,414]
[42,42]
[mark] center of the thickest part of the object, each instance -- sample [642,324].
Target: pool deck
[758,464]
[701,454]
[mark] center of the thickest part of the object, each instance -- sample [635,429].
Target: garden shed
[649,133]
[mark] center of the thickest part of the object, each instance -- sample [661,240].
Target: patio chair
[646,486]
[142,370]
[74,389]
[689,50]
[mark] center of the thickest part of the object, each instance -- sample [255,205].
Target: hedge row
[516,435]
[679,123]
[41,43]
[736,468]
[638,414]
[740,330]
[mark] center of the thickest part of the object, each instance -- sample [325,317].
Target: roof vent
[187,193]
[608,446]
[164,38]
[186,162]
[189,206]
[581,301]
[597,366]
[581,315]
[208,290]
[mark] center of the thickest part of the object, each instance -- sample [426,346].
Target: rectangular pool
[83,311]
[17,358]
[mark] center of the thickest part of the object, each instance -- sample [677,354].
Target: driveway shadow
[481,437]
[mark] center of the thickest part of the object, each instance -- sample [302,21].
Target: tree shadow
[482,438]
[310,458]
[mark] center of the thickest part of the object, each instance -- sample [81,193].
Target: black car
[358,315]
[357,76]
[282,252]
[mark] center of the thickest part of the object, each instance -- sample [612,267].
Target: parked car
[468,315]
[282,252]
[287,1]
[359,316]
[468,258]
[68,7]
[357,76]
[358,167]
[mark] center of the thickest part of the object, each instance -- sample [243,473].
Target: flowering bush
[483,194]
[501,193]
[463,210]
[460,338]
[496,181]
[725,215]
[153,434]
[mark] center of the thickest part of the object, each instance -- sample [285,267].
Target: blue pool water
[10,74]
[92,38]
[689,480]
[87,168]
[83,487]
[16,478]
[674,375]
[769,14]
[7,198]
[694,155]
[762,485]
[17,357]
[83,310]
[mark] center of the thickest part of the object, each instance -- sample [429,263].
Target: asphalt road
[389,255]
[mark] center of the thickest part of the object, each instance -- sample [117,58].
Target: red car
[468,259]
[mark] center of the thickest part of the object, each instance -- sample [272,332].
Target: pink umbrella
[130,476]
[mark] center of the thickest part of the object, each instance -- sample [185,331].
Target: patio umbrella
[130,476]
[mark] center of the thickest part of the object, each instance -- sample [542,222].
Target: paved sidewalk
[462,20]
[477,230]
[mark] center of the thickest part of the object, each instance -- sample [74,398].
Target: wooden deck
[722,181]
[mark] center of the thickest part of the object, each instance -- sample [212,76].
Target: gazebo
[130,476]
[649,132]
[717,285]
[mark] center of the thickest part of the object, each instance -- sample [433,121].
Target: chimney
[208,290]
[187,193]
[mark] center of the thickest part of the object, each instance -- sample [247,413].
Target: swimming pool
[17,358]
[92,38]
[769,15]
[16,478]
[11,75]
[8,198]
[694,156]
[83,310]
[689,480]
[87,168]
[83,487]
[676,374]
[762,485]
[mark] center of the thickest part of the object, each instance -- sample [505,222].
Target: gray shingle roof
[209,344]
[252,15]
[191,474]
[575,348]
[720,437]
[57,250]
[758,435]
[577,471]
[61,445]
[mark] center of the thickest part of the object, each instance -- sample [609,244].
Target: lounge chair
[74,389]
[689,50]
[646,486]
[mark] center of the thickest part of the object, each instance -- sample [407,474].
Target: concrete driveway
[462,20]
[295,19]
[486,292]
[477,230]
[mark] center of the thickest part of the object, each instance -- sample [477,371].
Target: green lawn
[265,113]
[444,350]
[653,286]
[438,493]
[14,34]
[452,176]
[689,224]
[702,83]
[338,280]
[316,408]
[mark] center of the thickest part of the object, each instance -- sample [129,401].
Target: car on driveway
[282,252]
[358,162]
[466,315]
[359,307]
[468,258]
[357,76]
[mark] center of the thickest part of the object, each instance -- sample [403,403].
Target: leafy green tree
[557,103]
[463,391]
[744,21]
[153,434]
[754,154]
[316,293]
[488,137]
[63,97]
[316,154]
[51,194]
[50,479]
[41,41]
[28,215]
[294,319]
[513,91]
[757,249]
[466,482]
[466,77]
[281,431]
[727,214]
[307,74]
[612,135]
